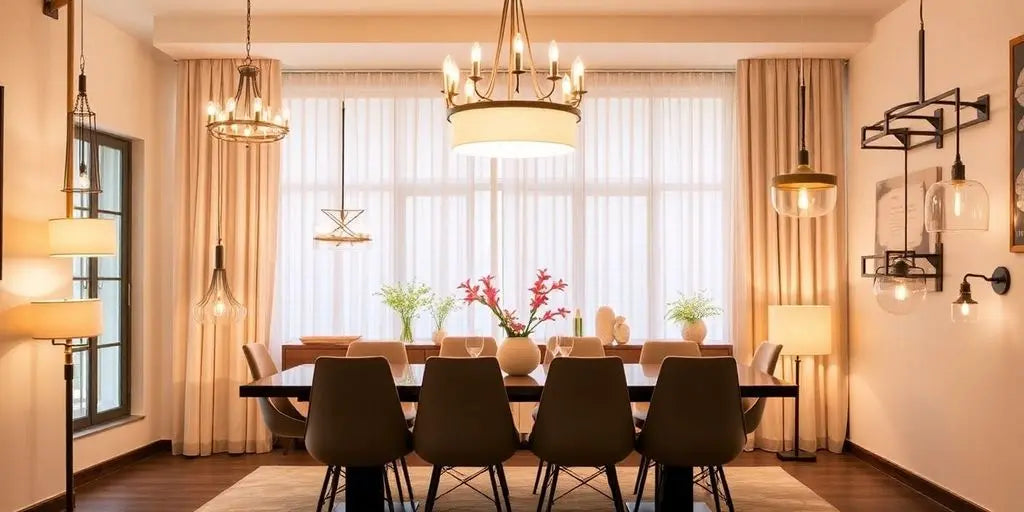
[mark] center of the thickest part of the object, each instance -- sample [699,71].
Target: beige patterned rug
[295,488]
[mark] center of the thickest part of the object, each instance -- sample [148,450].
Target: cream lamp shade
[66,319]
[513,131]
[82,237]
[801,330]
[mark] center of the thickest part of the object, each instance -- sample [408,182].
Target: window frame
[92,346]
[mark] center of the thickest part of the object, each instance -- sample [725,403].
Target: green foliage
[407,299]
[687,309]
[440,308]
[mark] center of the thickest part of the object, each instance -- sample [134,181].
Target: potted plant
[518,354]
[689,311]
[407,299]
[440,308]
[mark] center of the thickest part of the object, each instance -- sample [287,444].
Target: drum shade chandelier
[245,118]
[803,193]
[514,126]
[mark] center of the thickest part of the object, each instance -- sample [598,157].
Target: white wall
[131,87]
[939,399]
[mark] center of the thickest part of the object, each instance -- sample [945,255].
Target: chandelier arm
[497,52]
[547,97]
[478,94]
[511,50]
[529,52]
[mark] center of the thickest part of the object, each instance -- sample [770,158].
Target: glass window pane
[110,297]
[80,385]
[110,179]
[108,378]
[110,266]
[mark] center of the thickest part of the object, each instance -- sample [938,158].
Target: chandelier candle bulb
[566,89]
[468,91]
[475,55]
[553,59]
[577,74]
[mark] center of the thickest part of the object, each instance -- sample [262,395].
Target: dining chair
[583,421]
[654,352]
[465,421]
[582,346]
[395,353]
[282,418]
[455,346]
[766,357]
[695,420]
[355,429]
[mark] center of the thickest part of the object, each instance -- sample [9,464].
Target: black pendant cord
[343,160]
[81,44]
[804,157]
[920,55]
[906,203]
[220,194]
[248,31]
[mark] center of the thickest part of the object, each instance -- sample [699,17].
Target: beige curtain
[207,362]
[787,261]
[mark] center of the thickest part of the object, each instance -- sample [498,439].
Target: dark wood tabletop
[640,378]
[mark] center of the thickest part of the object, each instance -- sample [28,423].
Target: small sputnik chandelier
[543,124]
[245,118]
[342,233]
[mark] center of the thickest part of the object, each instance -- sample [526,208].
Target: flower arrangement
[689,309]
[407,299]
[440,308]
[485,293]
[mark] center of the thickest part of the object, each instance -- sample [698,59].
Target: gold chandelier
[513,126]
[245,118]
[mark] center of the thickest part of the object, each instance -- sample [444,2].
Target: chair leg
[287,444]
[639,472]
[536,480]
[398,481]
[555,470]
[613,483]
[387,491]
[494,489]
[725,486]
[334,488]
[544,488]
[712,474]
[504,486]
[435,477]
[323,489]
[408,481]
[641,481]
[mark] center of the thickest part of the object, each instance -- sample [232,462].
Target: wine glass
[563,345]
[474,346]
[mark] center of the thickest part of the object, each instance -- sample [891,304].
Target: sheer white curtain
[640,212]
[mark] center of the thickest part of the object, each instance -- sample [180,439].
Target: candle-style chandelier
[245,118]
[515,126]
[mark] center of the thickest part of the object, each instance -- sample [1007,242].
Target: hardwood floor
[165,483]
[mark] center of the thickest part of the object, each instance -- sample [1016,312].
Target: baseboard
[91,473]
[916,482]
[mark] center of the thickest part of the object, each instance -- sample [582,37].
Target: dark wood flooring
[165,483]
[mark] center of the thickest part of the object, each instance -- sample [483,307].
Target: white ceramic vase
[438,336]
[518,356]
[695,331]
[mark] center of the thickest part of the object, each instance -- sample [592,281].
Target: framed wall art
[889,219]
[1017,144]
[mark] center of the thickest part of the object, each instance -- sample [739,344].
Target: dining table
[364,486]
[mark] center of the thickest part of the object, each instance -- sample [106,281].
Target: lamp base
[797,455]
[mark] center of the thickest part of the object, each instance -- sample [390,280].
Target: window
[638,213]
[102,379]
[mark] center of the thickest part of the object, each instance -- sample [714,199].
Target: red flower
[508,320]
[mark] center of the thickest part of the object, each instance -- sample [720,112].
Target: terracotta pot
[695,331]
[518,356]
[438,336]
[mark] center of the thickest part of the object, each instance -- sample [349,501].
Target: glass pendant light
[218,305]
[956,204]
[803,193]
[900,285]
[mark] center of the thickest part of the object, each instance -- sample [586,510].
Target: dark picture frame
[1017,144]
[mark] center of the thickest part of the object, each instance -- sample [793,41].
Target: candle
[566,89]
[470,93]
[577,75]
[517,49]
[553,59]
[474,56]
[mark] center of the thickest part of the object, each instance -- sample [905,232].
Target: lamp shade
[66,319]
[514,129]
[82,237]
[801,330]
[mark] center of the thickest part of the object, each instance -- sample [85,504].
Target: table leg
[677,490]
[364,488]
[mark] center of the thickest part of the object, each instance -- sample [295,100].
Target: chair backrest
[695,417]
[582,346]
[584,418]
[455,346]
[765,359]
[654,352]
[261,365]
[393,351]
[355,418]
[464,418]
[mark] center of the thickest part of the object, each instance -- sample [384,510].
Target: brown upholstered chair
[282,418]
[464,420]
[355,429]
[765,358]
[455,346]
[583,421]
[695,419]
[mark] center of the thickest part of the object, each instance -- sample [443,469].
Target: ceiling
[137,15]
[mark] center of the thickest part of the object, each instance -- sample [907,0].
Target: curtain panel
[207,362]
[639,212]
[782,260]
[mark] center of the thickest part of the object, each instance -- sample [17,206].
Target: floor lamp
[802,331]
[61,322]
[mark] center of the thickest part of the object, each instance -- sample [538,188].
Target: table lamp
[802,331]
[61,322]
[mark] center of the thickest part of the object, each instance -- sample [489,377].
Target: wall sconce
[965,308]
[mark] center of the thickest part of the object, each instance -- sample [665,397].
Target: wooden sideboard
[295,354]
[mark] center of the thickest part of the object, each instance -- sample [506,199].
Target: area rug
[295,488]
